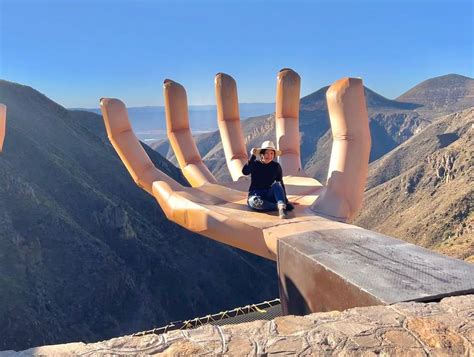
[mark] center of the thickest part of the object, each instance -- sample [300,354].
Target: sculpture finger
[179,135]
[3,124]
[228,120]
[129,149]
[287,121]
[349,161]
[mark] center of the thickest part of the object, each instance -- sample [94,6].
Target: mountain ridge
[442,94]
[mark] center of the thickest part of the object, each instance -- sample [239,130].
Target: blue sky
[78,51]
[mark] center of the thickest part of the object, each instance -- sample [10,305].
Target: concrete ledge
[337,269]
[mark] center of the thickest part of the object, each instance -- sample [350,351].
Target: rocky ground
[405,329]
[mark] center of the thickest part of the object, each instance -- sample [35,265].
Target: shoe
[282,211]
[256,202]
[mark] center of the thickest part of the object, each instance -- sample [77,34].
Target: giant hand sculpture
[219,211]
[3,124]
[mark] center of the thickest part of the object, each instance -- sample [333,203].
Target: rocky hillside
[423,191]
[84,253]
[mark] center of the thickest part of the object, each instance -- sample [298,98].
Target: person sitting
[267,191]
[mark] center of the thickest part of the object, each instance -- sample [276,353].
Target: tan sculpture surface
[219,211]
[3,124]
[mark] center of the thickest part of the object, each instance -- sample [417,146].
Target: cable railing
[266,310]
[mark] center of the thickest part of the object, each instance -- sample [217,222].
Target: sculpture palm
[219,211]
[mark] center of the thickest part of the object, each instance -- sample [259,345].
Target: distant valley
[150,125]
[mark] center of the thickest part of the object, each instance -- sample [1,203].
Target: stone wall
[410,329]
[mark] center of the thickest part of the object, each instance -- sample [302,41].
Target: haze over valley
[149,123]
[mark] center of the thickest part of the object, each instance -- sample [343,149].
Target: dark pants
[267,199]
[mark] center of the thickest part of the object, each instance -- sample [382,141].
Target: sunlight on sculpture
[219,211]
[3,124]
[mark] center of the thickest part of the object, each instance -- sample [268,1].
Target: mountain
[87,255]
[391,121]
[375,101]
[442,95]
[394,121]
[423,191]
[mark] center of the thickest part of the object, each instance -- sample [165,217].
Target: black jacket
[263,175]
